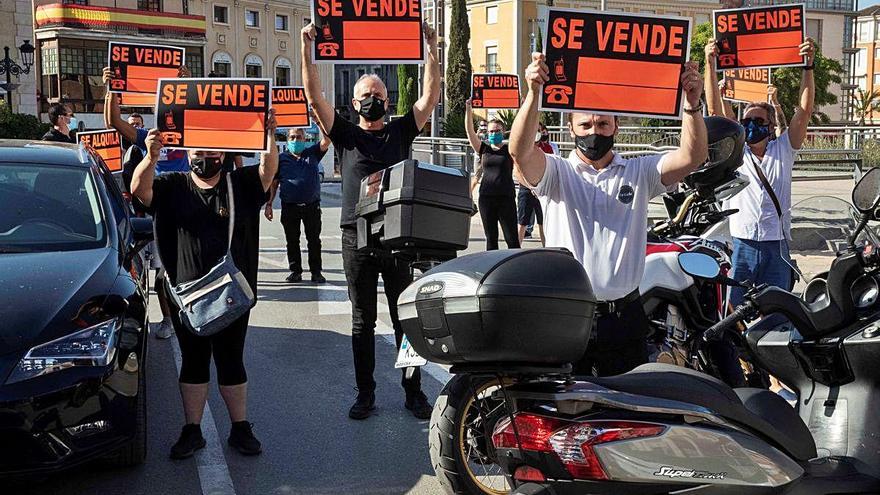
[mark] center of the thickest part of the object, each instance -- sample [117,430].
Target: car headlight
[94,346]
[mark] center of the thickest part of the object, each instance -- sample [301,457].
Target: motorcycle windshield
[820,227]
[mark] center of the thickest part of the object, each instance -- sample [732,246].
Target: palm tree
[865,103]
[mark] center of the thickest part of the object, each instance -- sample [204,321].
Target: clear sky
[867,3]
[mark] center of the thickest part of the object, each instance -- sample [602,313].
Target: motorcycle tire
[461,451]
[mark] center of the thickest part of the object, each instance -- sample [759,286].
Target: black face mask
[206,167]
[594,146]
[372,108]
[755,131]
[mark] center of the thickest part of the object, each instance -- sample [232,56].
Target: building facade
[866,68]
[505,32]
[19,28]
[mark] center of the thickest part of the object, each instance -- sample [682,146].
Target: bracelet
[697,109]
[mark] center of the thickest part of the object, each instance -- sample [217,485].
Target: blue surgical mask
[296,147]
[495,138]
[73,124]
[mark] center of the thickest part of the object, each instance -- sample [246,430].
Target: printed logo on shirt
[626,194]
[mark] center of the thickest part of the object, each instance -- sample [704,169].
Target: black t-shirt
[192,224]
[362,153]
[497,171]
[56,136]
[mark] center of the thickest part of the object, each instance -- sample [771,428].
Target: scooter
[659,429]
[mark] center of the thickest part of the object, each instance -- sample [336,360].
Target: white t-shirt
[601,216]
[757,219]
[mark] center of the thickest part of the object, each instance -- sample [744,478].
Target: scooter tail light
[573,443]
[528,473]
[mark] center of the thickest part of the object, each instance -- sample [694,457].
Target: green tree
[702,34]
[458,70]
[407,87]
[788,80]
[864,103]
[20,125]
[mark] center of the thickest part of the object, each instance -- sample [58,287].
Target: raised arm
[424,106]
[113,116]
[528,160]
[476,144]
[710,80]
[781,123]
[142,178]
[694,147]
[797,132]
[269,161]
[324,111]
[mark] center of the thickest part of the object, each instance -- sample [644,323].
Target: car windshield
[48,208]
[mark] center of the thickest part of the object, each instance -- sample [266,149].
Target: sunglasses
[749,121]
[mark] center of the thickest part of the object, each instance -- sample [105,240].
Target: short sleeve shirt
[169,160]
[601,216]
[298,177]
[757,219]
[192,224]
[362,153]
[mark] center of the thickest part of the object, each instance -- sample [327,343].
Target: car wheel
[135,452]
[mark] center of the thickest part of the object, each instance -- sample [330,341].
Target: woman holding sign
[494,173]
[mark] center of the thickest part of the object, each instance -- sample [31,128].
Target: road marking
[267,237]
[213,470]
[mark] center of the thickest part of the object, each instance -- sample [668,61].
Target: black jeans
[310,216]
[362,270]
[226,346]
[495,210]
[618,342]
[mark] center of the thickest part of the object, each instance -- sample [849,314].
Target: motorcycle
[660,428]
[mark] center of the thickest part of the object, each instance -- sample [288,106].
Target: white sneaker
[165,329]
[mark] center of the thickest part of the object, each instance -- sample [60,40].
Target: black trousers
[310,216]
[495,210]
[226,346]
[617,344]
[362,272]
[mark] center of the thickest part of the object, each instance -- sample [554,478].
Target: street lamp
[9,67]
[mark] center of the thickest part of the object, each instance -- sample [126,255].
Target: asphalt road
[301,384]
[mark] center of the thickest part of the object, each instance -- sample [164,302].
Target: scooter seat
[758,409]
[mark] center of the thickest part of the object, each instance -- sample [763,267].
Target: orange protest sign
[291,107]
[137,100]
[107,144]
[495,91]
[746,85]
[137,68]
[760,36]
[214,114]
[624,64]
[357,31]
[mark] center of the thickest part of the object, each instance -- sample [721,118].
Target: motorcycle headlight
[94,346]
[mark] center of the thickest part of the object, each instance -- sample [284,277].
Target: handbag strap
[766,184]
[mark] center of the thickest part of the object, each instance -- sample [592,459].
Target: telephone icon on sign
[171,138]
[558,94]
[477,103]
[117,84]
[727,60]
[328,49]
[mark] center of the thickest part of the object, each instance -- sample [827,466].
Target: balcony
[120,21]
[826,5]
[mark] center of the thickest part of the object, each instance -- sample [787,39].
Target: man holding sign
[363,149]
[191,212]
[595,205]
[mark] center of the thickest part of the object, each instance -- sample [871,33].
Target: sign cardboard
[214,114]
[107,144]
[365,31]
[622,64]
[145,100]
[746,85]
[760,36]
[291,106]
[495,91]
[137,68]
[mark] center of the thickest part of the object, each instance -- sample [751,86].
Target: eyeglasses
[756,121]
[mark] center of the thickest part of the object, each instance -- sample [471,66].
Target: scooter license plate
[407,356]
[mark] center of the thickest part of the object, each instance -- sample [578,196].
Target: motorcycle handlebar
[716,331]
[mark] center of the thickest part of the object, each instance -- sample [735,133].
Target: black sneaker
[242,439]
[190,441]
[319,279]
[418,404]
[363,406]
[294,277]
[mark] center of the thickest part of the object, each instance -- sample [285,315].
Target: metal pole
[602,5]
[8,63]
[434,119]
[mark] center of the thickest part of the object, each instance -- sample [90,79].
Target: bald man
[364,148]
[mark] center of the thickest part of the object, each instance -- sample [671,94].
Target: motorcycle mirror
[699,265]
[866,194]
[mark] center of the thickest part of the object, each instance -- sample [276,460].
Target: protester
[528,207]
[494,174]
[595,205]
[137,121]
[365,148]
[191,215]
[298,178]
[62,122]
[542,140]
[762,227]
[169,161]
